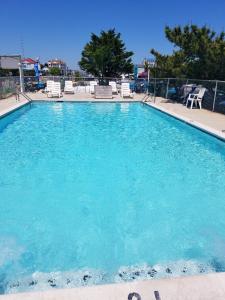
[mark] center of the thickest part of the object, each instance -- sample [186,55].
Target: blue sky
[53,28]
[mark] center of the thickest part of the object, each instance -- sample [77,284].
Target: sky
[59,29]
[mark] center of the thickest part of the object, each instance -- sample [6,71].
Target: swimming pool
[93,193]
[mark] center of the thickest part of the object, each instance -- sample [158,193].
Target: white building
[58,63]
[28,64]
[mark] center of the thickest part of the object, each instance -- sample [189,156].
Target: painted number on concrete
[136,296]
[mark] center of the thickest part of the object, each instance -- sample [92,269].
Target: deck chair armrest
[193,96]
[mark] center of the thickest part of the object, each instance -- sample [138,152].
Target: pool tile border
[87,101]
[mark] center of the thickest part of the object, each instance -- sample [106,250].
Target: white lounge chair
[49,85]
[114,87]
[196,98]
[69,89]
[125,90]
[92,86]
[56,90]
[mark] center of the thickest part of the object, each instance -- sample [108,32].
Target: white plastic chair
[196,98]
[114,87]
[69,89]
[92,86]
[49,86]
[56,90]
[125,90]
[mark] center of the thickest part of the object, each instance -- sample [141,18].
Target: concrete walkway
[207,287]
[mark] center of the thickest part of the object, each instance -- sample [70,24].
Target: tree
[55,71]
[77,75]
[9,72]
[106,56]
[199,53]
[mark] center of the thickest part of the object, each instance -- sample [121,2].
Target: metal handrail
[24,95]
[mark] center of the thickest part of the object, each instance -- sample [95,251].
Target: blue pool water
[96,193]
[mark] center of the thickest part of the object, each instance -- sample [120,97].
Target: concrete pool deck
[205,287]
[10,104]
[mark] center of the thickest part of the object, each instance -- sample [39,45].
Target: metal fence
[82,83]
[173,89]
[9,86]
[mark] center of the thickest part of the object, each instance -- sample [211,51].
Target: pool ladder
[24,95]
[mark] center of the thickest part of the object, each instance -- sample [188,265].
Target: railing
[24,95]
[9,86]
[173,89]
[82,84]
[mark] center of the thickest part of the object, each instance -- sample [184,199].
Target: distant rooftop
[56,61]
[28,61]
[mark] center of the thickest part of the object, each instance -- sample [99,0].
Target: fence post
[154,90]
[21,77]
[148,81]
[167,87]
[214,100]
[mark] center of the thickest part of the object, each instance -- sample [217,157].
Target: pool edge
[208,287]
[11,109]
[204,128]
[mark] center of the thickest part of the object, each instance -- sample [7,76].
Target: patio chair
[92,86]
[125,90]
[55,91]
[196,98]
[114,87]
[69,89]
[49,85]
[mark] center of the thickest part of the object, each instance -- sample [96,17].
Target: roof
[28,60]
[56,61]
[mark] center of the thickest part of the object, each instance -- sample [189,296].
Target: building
[150,62]
[10,61]
[58,63]
[141,70]
[28,64]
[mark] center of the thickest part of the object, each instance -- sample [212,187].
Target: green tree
[77,75]
[9,72]
[199,53]
[106,56]
[55,71]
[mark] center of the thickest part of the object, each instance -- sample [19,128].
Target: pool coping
[13,108]
[200,126]
[87,101]
[207,287]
